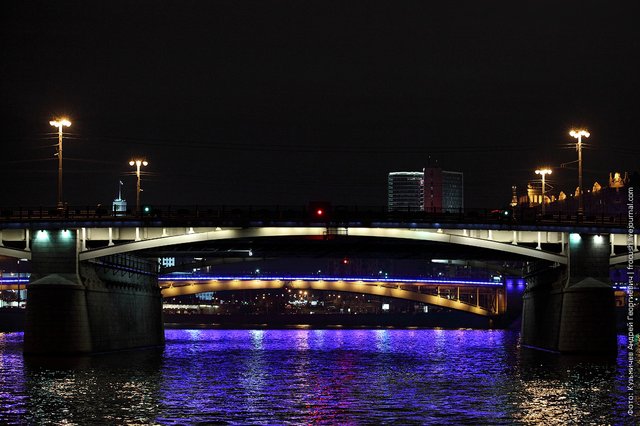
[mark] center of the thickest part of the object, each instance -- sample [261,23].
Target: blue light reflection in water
[318,376]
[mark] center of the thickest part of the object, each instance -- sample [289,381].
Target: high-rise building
[405,191]
[432,190]
[452,191]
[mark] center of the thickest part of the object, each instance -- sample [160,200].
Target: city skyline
[283,104]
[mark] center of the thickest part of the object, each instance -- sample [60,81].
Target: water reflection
[309,376]
[13,394]
[116,388]
[569,389]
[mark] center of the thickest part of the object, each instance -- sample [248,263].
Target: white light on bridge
[575,238]
[598,239]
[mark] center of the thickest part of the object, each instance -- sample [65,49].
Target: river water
[317,376]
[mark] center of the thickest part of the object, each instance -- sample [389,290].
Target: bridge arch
[385,289]
[624,258]
[449,237]
[18,254]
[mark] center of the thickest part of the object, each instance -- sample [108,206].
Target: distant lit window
[167,262]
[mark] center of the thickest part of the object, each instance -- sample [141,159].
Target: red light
[319,212]
[345,261]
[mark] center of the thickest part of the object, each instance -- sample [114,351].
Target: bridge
[67,250]
[484,298]
[545,241]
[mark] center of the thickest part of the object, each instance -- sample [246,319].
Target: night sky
[271,102]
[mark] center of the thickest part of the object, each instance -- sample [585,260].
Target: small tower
[119,205]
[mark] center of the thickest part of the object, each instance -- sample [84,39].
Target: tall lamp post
[578,134]
[138,163]
[60,123]
[543,173]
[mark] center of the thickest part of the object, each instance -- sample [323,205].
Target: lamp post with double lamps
[578,134]
[60,123]
[138,164]
[543,173]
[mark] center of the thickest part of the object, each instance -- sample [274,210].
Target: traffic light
[345,260]
[146,210]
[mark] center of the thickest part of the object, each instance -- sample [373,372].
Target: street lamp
[543,173]
[138,163]
[578,134]
[60,123]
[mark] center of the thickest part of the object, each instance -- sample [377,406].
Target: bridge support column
[84,239]
[1,245]
[613,245]
[82,308]
[573,311]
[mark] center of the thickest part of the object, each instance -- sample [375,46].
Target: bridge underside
[443,296]
[499,241]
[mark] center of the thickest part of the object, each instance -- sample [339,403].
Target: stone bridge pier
[571,309]
[74,307]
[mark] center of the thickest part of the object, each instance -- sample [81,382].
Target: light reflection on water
[296,376]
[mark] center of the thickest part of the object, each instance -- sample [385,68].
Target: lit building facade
[598,199]
[405,191]
[452,191]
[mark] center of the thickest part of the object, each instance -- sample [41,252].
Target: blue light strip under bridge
[14,281]
[423,281]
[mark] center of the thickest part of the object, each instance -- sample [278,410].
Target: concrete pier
[573,311]
[107,305]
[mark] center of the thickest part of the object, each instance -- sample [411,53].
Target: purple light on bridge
[14,280]
[432,281]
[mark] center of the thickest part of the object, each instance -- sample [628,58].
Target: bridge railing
[326,213]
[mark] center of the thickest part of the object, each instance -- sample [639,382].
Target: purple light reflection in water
[372,376]
[318,376]
[13,397]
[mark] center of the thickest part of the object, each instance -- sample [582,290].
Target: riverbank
[431,320]
[12,319]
